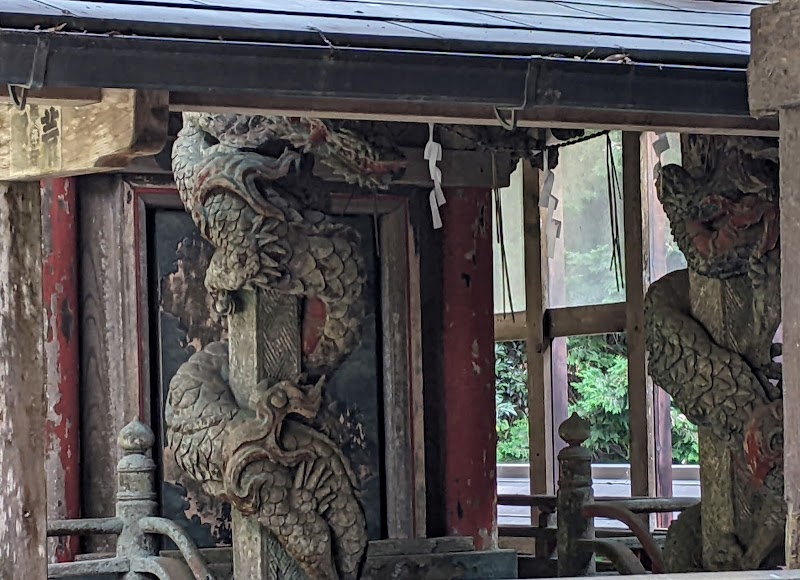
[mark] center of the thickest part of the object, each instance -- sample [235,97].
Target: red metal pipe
[468,367]
[627,517]
[62,354]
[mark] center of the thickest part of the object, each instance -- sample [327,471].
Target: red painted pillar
[468,367]
[62,356]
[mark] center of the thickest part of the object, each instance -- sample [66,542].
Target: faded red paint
[62,348]
[761,453]
[313,321]
[469,390]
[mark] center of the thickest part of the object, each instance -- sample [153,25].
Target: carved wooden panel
[185,322]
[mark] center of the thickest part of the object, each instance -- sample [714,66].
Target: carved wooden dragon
[723,209]
[265,459]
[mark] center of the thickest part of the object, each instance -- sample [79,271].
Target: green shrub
[511,375]
[598,390]
[512,441]
[598,383]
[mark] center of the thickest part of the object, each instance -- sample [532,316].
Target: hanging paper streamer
[548,201]
[433,154]
[660,146]
[546,188]
[553,233]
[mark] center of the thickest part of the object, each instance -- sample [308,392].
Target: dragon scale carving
[267,459]
[710,332]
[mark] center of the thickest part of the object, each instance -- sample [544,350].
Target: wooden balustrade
[574,538]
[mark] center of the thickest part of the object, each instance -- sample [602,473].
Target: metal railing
[136,524]
[574,538]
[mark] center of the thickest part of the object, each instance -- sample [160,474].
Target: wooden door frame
[404,448]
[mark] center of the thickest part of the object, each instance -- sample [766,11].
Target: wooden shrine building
[365,143]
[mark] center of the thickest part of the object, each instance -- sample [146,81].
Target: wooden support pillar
[655,244]
[790,295]
[62,358]
[111,369]
[538,344]
[651,445]
[23,498]
[468,368]
[557,296]
[774,86]
[265,343]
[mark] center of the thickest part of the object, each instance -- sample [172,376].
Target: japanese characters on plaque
[36,138]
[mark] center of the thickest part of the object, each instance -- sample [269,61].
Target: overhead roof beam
[450,82]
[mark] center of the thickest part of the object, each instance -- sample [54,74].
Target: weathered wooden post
[23,504]
[136,496]
[265,342]
[574,492]
[774,83]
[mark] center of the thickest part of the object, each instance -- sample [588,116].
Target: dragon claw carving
[267,459]
[224,302]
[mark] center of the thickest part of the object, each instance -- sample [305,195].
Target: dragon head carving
[286,398]
[724,210]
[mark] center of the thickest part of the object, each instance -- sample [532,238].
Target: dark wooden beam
[459,169]
[585,320]
[564,322]
[62,97]
[379,81]
[464,114]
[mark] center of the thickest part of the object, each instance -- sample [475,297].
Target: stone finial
[575,430]
[136,437]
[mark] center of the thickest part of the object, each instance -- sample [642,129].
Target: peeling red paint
[313,322]
[60,297]
[470,432]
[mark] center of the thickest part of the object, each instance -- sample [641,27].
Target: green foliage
[685,447]
[512,441]
[598,383]
[597,365]
[511,397]
[511,377]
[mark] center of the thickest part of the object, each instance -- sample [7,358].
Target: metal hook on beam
[507,125]
[19,93]
[19,96]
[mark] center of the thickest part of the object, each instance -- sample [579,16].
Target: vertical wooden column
[774,85]
[649,416]
[468,367]
[23,498]
[790,296]
[557,295]
[62,358]
[265,342]
[540,383]
[111,369]
[637,277]
[655,245]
